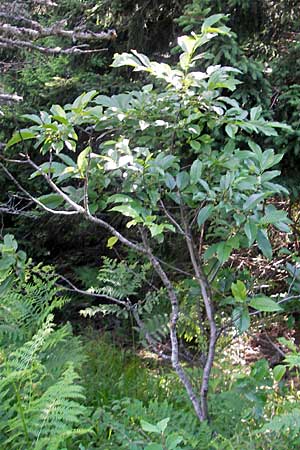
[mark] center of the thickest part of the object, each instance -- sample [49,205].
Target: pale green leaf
[265,304]
[111,242]
[279,372]
[264,243]
[20,136]
[204,214]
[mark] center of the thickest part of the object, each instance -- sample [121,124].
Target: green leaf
[162,425]
[264,243]
[239,291]
[146,426]
[111,242]
[255,113]
[223,252]
[251,232]
[170,181]
[154,447]
[187,43]
[231,130]
[54,168]
[21,136]
[126,210]
[7,261]
[6,284]
[125,59]
[241,318]
[57,110]
[278,372]
[10,242]
[51,200]
[82,160]
[211,21]
[196,171]
[204,214]
[273,215]
[195,145]
[173,440]
[253,201]
[265,304]
[182,180]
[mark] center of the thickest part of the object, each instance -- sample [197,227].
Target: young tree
[177,158]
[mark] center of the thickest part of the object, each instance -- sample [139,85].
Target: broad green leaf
[281,226]
[264,243]
[143,58]
[251,232]
[195,145]
[170,181]
[126,210]
[231,130]
[273,215]
[54,168]
[211,21]
[82,160]
[21,136]
[204,214]
[125,59]
[239,290]
[111,241]
[51,200]
[173,440]
[6,284]
[241,318]
[146,426]
[196,171]
[187,43]
[154,447]
[10,242]
[7,261]
[33,117]
[182,180]
[84,99]
[223,252]
[279,372]
[162,425]
[255,112]
[253,201]
[57,110]
[67,160]
[265,304]
[156,229]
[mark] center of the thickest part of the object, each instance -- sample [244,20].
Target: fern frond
[288,422]
[56,412]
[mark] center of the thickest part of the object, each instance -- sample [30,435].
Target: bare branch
[10,98]
[36,201]
[10,43]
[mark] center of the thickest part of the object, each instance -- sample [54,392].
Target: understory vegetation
[149,242]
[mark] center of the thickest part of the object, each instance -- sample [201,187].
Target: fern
[283,423]
[51,416]
[41,399]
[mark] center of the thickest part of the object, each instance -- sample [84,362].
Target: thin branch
[87,214]
[173,328]
[10,43]
[207,299]
[36,201]
[56,30]
[171,218]
[10,98]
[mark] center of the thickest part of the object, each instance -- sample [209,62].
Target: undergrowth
[60,391]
